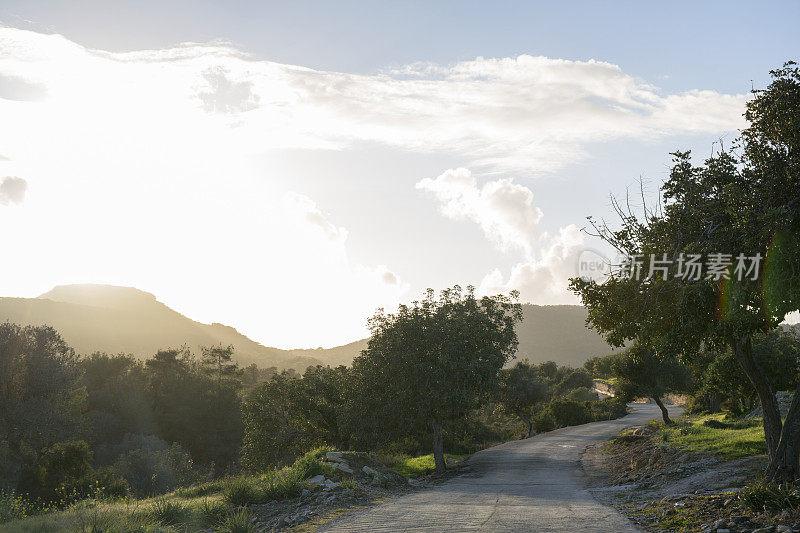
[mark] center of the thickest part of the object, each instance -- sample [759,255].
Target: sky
[288,167]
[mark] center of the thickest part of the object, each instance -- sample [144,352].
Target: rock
[738,519]
[414,482]
[370,471]
[317,480]
[305,492]
[770,529]
[330,485]
[723,530]
[783,529]
[334,456]
[342,467]
[784,400]
[720,523]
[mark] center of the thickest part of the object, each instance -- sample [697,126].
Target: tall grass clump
[771,497]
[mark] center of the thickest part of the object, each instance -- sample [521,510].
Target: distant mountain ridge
[127,320]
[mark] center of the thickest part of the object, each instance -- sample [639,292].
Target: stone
[317,480]
[770,529]
[720,523]
[342,467]
[334,456]
[783,529]
[370,471]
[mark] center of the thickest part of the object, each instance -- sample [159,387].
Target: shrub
[242,491]
[771,497]
[238,522]
[13,506]
[544,421]
[150,472]
[569,412]
[169,512]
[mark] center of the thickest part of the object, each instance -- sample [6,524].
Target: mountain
[126,320]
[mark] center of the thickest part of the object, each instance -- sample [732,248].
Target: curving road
[526,485]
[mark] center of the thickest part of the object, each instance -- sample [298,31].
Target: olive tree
[430,361]
[743,202]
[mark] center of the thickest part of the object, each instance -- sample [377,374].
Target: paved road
[527,485]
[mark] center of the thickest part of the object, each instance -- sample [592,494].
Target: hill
[123,319]
[126,320]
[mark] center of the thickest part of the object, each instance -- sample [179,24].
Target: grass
[417,466]
[744,438]
[215,505]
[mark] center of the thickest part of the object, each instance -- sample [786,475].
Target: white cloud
[303,208]
[522,114]
[225,95]
[12,190]
[543,280]
[504,210]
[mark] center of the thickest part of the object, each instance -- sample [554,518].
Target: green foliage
[760,497]
[150,471]
[741,201]
[522,388]
[429,363]
[63,474]
[287,416]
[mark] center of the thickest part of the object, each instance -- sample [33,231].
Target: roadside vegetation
[188,440]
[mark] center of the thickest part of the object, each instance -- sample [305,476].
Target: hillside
[122,319]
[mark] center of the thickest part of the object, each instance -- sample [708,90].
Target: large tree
[741,202]
[429,361]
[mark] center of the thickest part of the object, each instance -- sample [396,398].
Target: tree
[287,416]
[741,201]
[429,362]
[521,390]
[41,399]
[642,371]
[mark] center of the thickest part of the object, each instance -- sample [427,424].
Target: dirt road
[528,485]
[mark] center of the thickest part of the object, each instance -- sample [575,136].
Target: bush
[150,472]
[582,394]
[771,497]
[544,421]
[608,409]
[569,412]
[12,507]
[62,475]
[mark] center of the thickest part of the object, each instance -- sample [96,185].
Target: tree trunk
[438,447]
[530,428]
[782,437]
[714,403]
[664,412]
[743,350]
[785,465]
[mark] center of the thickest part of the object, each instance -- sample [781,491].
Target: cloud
[20,89]
[3,158]
[226,95]
[524,114]
[304,209]
[12,190]
[504,210]
[544,280]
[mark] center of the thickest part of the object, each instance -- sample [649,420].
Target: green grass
[746,438]
[418,466]
[199,507]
